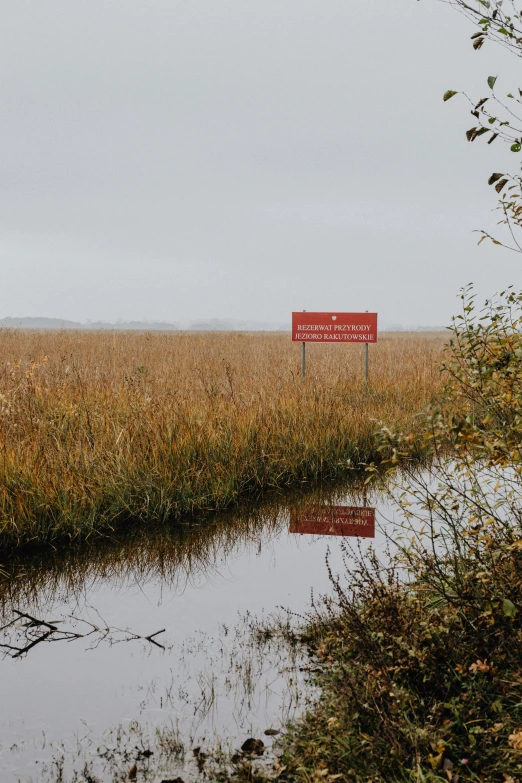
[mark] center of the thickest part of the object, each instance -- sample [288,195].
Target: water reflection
[345,521]
[214,588]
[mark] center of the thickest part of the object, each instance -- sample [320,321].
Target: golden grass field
[101,429]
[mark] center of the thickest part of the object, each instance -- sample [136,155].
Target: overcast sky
[182,159]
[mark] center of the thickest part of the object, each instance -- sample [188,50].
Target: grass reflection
[176,555]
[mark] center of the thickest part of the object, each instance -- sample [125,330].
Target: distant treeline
[211,325]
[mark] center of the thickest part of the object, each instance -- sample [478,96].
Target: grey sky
[178,159]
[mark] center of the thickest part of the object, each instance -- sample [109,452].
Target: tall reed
[98,429]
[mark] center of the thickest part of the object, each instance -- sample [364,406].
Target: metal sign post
[366,362]
[303,366]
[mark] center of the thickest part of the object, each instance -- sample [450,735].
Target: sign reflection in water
[334,521]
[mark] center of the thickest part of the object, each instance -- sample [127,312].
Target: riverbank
[411,693]
[418,670]
[99,431]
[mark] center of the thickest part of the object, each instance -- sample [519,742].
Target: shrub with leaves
[417,685]
[479,415]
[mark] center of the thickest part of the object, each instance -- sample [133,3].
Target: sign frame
[335,327]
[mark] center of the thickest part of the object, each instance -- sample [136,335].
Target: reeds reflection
[176,557]
[195,581]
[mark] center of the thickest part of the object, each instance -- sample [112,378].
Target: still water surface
[103,699]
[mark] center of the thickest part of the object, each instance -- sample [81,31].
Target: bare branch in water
[19,637]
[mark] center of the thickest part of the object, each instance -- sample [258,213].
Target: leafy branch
[497,116]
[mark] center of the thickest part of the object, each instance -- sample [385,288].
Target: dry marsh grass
[100,429]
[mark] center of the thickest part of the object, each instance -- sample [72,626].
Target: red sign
[334,327]
[335,521]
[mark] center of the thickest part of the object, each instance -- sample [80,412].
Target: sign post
[367,361]
[334,328]
[303,368]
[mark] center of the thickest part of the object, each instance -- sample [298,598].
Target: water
[104,698]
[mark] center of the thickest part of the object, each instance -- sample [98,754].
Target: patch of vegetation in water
[255,665]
